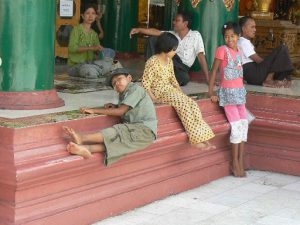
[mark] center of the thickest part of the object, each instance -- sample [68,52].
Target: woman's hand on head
[99,16]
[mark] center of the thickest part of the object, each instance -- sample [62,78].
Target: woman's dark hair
[244,20]
[231,26]
[85,7]
[186,17]
[165,43]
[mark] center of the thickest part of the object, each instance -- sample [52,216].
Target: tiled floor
[262,198]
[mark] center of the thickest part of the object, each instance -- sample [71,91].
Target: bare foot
[235,169]
[270,84]
[205,146]
[287,83]
[73,135]
[243,174]
[78,150]
[279,83]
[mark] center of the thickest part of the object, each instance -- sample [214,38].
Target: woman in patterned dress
[160,82]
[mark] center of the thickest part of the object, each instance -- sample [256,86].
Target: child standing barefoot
[160,82]
[137,132]
[232,94]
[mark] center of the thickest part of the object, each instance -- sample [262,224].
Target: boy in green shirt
[138,130]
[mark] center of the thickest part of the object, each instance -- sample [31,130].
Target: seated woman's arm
[98,23]
[174,82]
[94,48]
[74,46]
[147,80]
[216,65]
[256,58]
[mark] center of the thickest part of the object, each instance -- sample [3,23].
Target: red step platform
[42,184]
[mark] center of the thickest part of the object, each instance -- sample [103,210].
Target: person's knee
[182,77]
[283,48]
[184,81]
[108,52]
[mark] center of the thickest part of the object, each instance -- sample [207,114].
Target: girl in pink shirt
[232,94]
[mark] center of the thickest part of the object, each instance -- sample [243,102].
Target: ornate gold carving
[178,2]
[195,3]
[270,35]
[263,5]
[229,4]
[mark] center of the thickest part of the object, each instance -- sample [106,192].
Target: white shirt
[247,49]
[189,47]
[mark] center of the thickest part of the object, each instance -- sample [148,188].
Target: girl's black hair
[244,20]
[231,26]
[165,43]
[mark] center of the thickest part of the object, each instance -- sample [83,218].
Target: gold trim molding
[229,4]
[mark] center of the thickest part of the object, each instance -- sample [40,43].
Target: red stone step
[42,184]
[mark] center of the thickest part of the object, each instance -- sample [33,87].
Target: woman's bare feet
[269,83]
[78,150]
[204,146]
[278,84]
[73,135]
[287,83]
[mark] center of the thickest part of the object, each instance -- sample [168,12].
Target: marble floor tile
[277,220]
[277,180]
[293,187]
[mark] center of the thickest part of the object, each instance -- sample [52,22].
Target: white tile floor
[262,198]
[94,99]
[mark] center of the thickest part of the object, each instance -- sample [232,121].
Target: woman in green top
[84,46]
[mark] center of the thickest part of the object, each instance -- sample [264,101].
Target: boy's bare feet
[73,135]
[78,150]
[204,146]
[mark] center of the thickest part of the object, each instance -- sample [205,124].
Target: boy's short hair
[116,72]
[186,17]
[165,43]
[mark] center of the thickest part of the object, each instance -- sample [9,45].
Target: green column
[208,18]
[118,19]
[170,13]
[27,32]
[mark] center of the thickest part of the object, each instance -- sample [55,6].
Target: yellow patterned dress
[160,80]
